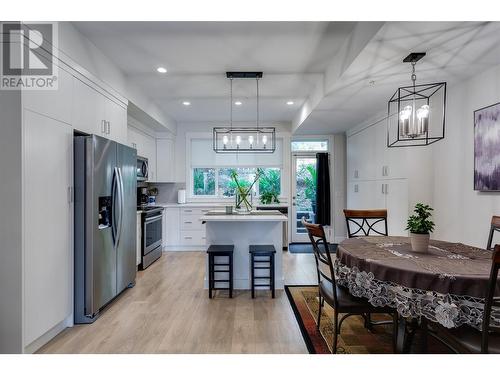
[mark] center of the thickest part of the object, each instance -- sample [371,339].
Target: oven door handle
[152,219]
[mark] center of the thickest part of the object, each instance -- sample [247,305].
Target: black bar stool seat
[262,258]
[214,268]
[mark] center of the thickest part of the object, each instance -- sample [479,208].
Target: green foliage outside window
[204,181]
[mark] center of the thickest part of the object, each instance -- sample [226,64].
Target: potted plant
[420,227]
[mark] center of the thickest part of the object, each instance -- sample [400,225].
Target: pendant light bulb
[238,140]
[423,112]
[264,139]
[225,139]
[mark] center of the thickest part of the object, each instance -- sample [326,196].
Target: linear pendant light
[244,139]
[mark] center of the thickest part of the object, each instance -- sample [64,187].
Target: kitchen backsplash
[167,192]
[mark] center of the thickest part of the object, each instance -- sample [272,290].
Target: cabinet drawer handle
[188,238]
[205,210]
[188,210]
[103,126]
[188,222]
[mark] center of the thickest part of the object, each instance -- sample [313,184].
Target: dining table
[446,285]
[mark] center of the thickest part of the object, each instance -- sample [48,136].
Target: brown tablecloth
[447,268]
[446,285]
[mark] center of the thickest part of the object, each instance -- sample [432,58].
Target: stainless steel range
[151,244]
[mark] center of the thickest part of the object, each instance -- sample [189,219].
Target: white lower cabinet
[48,224]
[138,248]
[171,226]
[397,202]
[389,194]
[183,229]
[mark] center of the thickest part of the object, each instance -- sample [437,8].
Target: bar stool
[220,251]
[260,255]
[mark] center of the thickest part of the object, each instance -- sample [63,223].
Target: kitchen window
[217,182]
[204,181]
[209,173]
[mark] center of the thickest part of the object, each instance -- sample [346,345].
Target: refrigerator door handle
[114,193]
[122,206]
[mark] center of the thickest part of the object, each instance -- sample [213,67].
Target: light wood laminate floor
[168,311]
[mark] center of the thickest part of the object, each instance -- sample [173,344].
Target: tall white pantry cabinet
[47,121]
[377,176]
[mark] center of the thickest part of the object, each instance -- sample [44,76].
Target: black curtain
[322,189]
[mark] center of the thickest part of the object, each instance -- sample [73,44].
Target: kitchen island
[256,228]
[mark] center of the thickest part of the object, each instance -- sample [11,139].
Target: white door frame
[294,236]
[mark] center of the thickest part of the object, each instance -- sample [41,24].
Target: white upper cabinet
[146,147]
[165,165]
[88,109]
[55,104]
[94,113]
[116,116]
[391,162]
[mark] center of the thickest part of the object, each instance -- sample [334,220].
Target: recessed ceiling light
[161,69]
[186,103]
[289,102]
[238,102]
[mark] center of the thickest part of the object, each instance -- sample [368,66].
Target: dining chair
[466,339]
[338,297]
[362,223]
[495,227]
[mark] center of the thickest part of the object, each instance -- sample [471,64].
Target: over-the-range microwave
[142,169]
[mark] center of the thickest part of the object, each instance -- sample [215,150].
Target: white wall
[338,187]
[462,214]
[180,141]
[442,174]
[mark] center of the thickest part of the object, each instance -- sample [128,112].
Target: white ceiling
[295,58]
[292,55]
[455,51]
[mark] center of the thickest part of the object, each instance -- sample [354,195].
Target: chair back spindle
[361,223]
[491,301]
[322,255]
[495,227]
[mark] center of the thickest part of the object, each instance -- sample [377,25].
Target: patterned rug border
[298,318]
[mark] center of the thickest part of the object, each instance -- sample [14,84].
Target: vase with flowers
[243,193]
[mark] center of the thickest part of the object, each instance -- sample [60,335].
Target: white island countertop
[218,204]
[257,216]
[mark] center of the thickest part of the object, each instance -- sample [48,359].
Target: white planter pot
[419,242]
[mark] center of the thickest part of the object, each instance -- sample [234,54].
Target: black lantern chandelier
[416,114]
[244,139]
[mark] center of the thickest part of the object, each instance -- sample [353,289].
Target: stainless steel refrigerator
[105,223]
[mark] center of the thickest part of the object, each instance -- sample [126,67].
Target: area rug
[306,248]
[354,337]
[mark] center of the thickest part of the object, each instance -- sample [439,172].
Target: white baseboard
[47,336]
[184,248]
